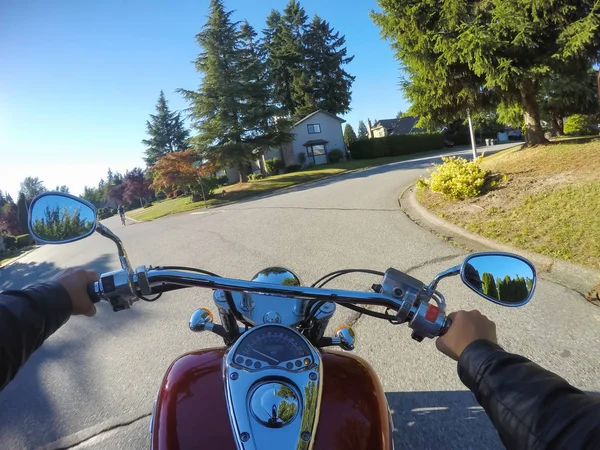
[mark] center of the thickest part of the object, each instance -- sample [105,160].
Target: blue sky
[80,78]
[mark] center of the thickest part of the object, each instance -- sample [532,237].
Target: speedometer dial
[273,346]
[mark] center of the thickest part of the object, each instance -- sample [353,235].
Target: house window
[314,128]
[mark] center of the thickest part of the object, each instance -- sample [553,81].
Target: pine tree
[349,134]
[489,285]
[166,131]
[362,130]
[462,54]
[324,57]
[22,213]
[283,46]
[232,110]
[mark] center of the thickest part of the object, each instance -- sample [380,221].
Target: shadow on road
[21,274]
[58,374]
[441,420]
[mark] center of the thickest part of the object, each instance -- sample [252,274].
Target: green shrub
[160,195]
[335,155]
[148,205]
[396,145]
[302,158]
[579,124]
[457,178]
[24,240]
[10,242]
[293,168]
[223,180]
[208,184]
[255,176]
[273,166]
[105,213]
[177,193]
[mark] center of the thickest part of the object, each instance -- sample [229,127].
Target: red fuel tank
[191,412]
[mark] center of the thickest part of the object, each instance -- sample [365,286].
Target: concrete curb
[16,258]
[573,276]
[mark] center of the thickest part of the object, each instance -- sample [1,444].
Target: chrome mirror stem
[105,231]
[452,271]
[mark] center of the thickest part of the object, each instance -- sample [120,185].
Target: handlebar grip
[92,294]
[446,327]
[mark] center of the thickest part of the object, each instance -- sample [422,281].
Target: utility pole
[472,133]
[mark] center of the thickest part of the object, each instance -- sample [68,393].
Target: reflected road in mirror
[504,279]
[57,218]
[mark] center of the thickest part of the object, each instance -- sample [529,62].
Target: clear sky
[78,79]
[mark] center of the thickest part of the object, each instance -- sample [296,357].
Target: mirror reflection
[57,218]
[503,279]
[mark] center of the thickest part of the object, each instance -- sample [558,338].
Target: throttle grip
[446,327]
[92,294]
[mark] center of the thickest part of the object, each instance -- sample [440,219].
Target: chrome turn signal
[200,318]
[346,336]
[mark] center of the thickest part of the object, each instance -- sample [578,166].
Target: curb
[16,258]
[573,276]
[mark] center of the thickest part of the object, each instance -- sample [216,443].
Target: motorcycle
[276,384]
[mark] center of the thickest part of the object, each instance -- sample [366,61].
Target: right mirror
[502,278]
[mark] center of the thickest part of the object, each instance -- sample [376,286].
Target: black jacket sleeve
[530,407]
[27,318]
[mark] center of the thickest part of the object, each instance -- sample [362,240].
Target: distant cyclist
[121,211]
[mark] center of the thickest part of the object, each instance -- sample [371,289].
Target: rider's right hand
[467,327]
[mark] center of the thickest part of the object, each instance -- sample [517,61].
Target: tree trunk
[243,170]
[531,115]
[558,125]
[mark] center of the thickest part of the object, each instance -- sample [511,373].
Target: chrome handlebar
[123,287]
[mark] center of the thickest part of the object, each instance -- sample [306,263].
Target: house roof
[316,112]
[403,125]
[315,142]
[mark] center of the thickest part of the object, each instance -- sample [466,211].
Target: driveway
[104,372]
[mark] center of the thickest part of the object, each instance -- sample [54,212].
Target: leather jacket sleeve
[530,407]
[27,318]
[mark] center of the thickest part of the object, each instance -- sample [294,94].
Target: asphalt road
[105,371]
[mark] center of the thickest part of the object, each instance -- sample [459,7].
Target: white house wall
[331,131]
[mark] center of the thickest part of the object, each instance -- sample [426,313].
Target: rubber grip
[446,326]
[92,294]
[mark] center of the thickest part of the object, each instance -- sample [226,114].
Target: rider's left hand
[75,281]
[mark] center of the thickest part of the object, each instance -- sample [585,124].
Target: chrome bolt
[312,376]
[234,376]
[305,436]
[398,292]
[245,437]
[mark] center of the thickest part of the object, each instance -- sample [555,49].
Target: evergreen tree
[64,189]
[489,285]
[463,53]
[3,200]
[22,215]
[166,131]
[349,134]
[232,110]
[363,133]
[283,46]
[324,57]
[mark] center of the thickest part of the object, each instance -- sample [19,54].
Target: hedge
[396,145]
[24,240]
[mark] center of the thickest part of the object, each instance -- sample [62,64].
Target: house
[389,127]
[314,136]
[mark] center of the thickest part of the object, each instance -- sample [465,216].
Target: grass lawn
[549,201]
[241,191]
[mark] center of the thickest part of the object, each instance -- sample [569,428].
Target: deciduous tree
[31,187]
[136,186]
[9,221]
[175,171]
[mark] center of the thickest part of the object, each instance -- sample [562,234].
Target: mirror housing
[59,218]
[503,278]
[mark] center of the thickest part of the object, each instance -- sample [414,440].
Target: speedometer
[273,346]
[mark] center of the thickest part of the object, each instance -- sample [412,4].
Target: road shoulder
[576,277]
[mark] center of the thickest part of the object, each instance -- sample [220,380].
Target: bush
[457,178]
[335,155]
[223,180]
[293,168]
[10,242]
[24,240]
[160,195]
[273,166]
[579,124]
[302,158]
[105,213]
[208,185]
[177,193]
[148,205]
[255,176]
[396,145]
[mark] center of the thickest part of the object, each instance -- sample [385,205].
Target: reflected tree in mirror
[505,279]
[277,275]
[56,218]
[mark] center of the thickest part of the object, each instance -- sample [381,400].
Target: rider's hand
[75,281]
[466,327]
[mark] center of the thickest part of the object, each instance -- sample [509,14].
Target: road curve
[102,373]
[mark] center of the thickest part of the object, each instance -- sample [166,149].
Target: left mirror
[56,218]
